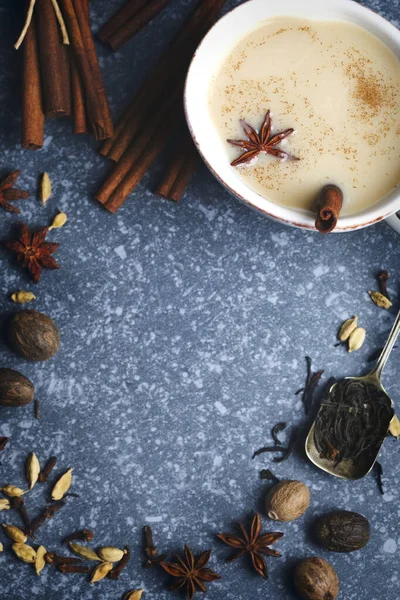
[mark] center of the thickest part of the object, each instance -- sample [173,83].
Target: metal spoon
[348,468]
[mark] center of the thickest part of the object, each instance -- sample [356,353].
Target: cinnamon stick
[54,62]
[174,63]
[329,205]
[83,48]
[32,134]
[78,94]
[135,151]
[127,10]
[139,167]
[130,27]
[180,170]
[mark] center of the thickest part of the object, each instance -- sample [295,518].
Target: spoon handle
[382,360]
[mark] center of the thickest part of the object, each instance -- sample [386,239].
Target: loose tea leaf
[11,491]
[84,551]
[32,469]
[22,297]
[254,543]
[45,188]
[37,410]
[110,554]
[268,475]
[308,391]
[101,571]
[285,450]
[274,432]
[394,427]
[40,562]
[25,552]
[62,486]
[3,443]
[353,421]
[15,534]
[380,300]
[58,221]
[378,470]
[4,504]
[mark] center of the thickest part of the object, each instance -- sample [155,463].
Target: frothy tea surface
[338,86]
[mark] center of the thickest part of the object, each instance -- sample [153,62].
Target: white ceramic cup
[212,52]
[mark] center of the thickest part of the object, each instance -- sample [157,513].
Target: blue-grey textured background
[184,330]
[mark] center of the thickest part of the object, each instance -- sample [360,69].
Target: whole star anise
[191,572]
[254,543]
[260,142]
[7,193]
[33,251]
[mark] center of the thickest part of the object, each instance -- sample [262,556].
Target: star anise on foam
[33,251]
[261,142]
[191,572]
[8,193]
[254,543]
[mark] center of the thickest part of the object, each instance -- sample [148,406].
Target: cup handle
[394,222]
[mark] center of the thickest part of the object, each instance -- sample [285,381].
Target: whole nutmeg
[287,500]
[316,579]
[343,531]
[33,335]
[15,388]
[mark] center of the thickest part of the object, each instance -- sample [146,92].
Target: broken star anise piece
[8,193]
[33,251]
[254,543]
[261,142]
[191,572]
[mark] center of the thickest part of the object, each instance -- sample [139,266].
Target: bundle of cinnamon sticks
[155,114]
[61,73]
[130,19]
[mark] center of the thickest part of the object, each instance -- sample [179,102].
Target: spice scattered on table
[252,542]
[191,572]
[316,579]
[380,300]
[343,531]
[308,391]
[150,550]
[378,472]
[22,297]
[15,388]
[33,251]
[8,193]
[59,221]
[45,188]
[3,442]
[287,500]
[285,451]
[33,335]
[356,339]
[383,278]
[129,20]
[62,486]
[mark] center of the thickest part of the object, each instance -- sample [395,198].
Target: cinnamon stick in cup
[329,205]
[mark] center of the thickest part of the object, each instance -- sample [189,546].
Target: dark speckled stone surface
[184,331]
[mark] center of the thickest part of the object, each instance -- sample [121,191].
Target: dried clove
[18,504]
[151,550]
[84,535]
[54,559]
[3,443]
[117,570]
[48,513]
[46,471]
[54,508]
[382,280]
[68,568]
